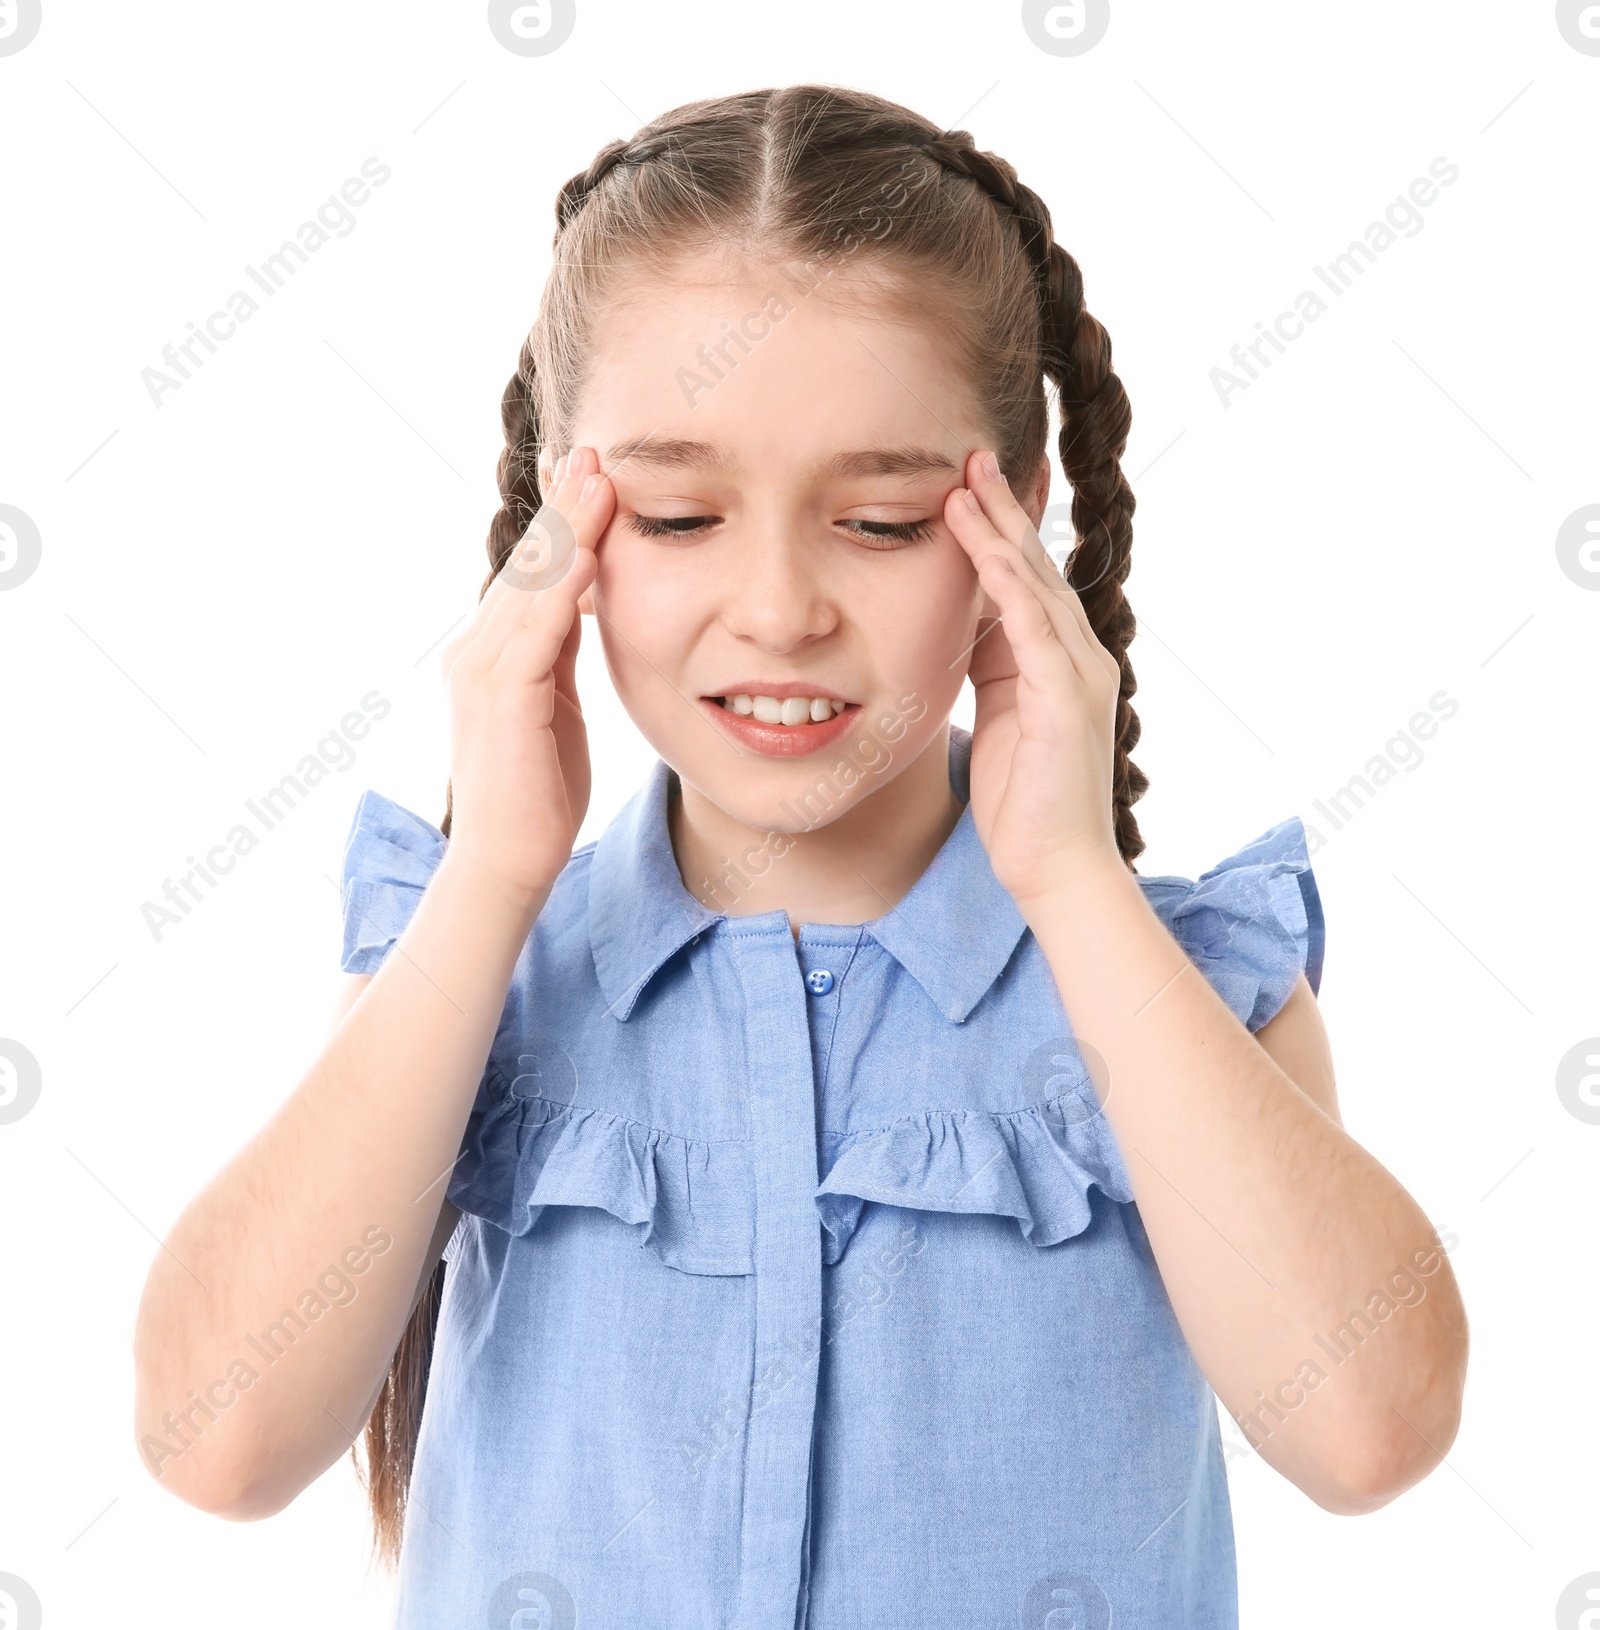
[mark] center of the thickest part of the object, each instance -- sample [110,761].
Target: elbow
[222,1491]
[1370,1465]
[217,1478]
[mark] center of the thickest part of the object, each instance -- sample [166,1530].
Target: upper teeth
[791,710]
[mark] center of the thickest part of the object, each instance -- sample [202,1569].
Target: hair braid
[1095,419]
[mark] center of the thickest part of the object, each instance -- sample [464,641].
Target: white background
[1373,521]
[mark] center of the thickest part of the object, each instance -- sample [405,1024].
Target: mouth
[787,710]
[789,724]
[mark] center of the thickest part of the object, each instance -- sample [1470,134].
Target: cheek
[644,606]
[923,623]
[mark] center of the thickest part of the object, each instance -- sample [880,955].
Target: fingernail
[991,466]
[970,500]
[561,468]
[588,487]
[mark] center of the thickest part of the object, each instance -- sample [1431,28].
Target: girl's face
[781,462]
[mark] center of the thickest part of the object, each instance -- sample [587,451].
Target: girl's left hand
[1047,701]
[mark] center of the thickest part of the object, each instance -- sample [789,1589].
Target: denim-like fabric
[775,1306]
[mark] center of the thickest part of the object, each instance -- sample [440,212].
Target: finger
[1012,521]
[1008,517]
[566,663]
[543,577]
[976,531]
[568,525]
[1041,660]
[535,649]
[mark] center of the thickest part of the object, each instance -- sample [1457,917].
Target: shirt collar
[953,932]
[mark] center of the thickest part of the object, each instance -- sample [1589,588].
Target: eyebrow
[673,453]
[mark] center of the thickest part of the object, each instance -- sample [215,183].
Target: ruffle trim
[692,1203]
[389,858]
[1034,1165]
[1252,924]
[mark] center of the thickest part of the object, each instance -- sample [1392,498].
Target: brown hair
[810,173]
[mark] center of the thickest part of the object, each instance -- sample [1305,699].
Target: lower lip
[782,740]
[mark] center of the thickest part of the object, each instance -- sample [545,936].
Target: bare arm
[301,1261]
[273,1309]
[1309,1283]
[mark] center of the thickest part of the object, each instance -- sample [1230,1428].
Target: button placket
[787,1285]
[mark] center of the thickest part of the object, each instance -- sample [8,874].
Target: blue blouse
[801,1285]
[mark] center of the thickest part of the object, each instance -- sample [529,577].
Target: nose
[778,597]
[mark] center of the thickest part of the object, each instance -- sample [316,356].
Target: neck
[848,871]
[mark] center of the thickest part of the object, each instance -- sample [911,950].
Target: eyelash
[673,526]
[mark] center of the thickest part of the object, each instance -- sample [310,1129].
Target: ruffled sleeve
[389,858]
[1252,924]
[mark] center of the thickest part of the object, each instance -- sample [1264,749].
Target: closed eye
[683,526]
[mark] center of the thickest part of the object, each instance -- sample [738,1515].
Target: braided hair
[1075,354]
[787,173]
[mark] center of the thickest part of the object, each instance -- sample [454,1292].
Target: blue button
[819,981]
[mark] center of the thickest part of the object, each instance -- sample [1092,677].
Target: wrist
[1061,888]
[486,889]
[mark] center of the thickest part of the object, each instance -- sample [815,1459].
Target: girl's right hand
[519,761]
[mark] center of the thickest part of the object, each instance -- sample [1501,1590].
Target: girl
[833,1197]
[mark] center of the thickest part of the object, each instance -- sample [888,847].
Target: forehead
[772,364]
